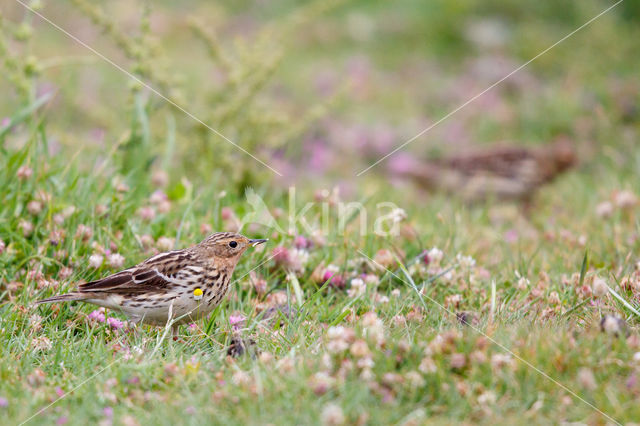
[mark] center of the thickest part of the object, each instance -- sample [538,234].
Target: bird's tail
[63,298]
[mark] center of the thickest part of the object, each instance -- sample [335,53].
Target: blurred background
[320,90]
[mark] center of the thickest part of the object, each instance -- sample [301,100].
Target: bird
[500,172]
[178,286]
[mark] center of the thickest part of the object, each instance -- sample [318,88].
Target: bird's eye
[233,244]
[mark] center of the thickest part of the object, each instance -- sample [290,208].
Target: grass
[320,349]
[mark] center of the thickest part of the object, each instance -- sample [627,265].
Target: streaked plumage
[501,172]
[167,281]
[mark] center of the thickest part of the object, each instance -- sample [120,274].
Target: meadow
[132,128]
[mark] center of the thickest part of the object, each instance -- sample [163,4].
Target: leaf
[212,320]
[177,191]
[296,288]
[493,299]
[585,265]
[623,301]
[143,120]
[339,318]
[169,150]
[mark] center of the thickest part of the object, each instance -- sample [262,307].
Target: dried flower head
[599,287]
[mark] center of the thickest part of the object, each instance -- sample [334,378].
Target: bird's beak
[258,241]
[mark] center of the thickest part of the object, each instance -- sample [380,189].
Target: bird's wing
[158,273]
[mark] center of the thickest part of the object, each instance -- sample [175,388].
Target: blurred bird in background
[500,172]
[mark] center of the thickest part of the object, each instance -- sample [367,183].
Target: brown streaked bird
[189,283]
[504,173]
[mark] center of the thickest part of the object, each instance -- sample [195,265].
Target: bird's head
[227,246]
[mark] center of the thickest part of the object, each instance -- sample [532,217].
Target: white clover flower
[500,360]
[359,349]
[612,325]
[466,262]
[487,398]
[337,332]
[415,379]
[398,215]
[160,178]
[26,227]
[373,327]
[587,379]
[337,346]
[604,209]
[427,365]
[68,211]
[42,343]
[298,258]
[122,187]
[116,260]
[332,415]
[417,269]
[435,256]
[34,207]
[365,362]
[358,288]
[381,298]
[147,213]
[372,280]
[240,378]
[165,243]
[333,269]
[95,260]
[158,197]
[367,375]
[24,172]
[523,283]
[448,276]
[625,199]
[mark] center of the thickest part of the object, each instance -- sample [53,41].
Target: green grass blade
[25,113]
